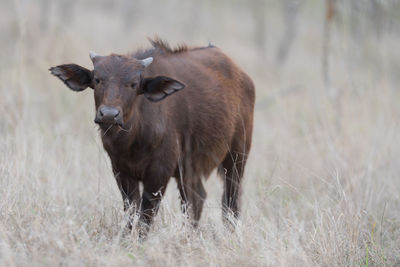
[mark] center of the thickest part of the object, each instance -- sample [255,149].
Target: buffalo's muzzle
[108,115]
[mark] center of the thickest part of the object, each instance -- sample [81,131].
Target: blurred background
[330,46]
[322,184]
[267,38]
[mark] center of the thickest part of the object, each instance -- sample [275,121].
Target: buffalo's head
[117,82]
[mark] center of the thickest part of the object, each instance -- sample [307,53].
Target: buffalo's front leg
[129,188]
[154,185]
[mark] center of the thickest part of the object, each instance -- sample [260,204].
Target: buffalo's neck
[140,135]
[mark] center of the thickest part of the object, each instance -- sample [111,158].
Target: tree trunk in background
[290,9]
[355,20]
[258,10]
[66,11]
[329,13]
[44,14]
[377,15]
[129,13]
[333,94]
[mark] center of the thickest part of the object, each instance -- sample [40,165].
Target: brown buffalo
[152,136]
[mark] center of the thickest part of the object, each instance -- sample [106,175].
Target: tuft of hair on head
[163,45]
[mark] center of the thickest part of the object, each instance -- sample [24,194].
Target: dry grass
[323,181]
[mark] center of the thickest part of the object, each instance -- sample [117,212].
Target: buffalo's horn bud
[147,61]
[92,55]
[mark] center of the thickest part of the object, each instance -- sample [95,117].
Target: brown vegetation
[321,186]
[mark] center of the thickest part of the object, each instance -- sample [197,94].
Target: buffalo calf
[165,113]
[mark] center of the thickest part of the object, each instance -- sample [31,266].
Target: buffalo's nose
[108,115]
[109,112]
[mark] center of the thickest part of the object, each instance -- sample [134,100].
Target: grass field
[322,185]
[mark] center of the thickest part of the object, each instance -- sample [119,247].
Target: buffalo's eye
[131,85]
[97,80]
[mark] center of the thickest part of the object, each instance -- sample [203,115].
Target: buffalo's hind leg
[193,195]
[232,169]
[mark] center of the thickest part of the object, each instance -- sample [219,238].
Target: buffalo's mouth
[119,127]
[107,125]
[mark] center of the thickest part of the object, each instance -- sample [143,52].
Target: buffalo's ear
[158,88]
[74,76]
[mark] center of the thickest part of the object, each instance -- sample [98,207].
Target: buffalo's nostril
[108,114]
